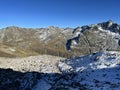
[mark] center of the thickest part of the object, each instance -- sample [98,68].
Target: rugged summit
[95,37]
[64,42]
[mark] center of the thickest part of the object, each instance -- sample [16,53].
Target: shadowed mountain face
[64,42]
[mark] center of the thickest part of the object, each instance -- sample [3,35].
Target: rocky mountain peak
[53,27]
[110,21]
[77,29]
[12,27]
[110,25]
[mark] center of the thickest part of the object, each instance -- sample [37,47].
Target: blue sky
[62,13]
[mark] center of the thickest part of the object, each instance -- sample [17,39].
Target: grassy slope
[7,51]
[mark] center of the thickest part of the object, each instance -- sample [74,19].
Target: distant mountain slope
[63,42]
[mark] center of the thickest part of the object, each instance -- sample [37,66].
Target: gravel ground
[41,63]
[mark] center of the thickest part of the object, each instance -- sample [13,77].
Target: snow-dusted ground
[98,71]
[41,63]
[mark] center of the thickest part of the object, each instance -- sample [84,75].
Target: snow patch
[43,36]
[97,71]
[12,49]
[109,32]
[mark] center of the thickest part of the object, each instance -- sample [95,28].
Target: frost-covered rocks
[97,71]
[100,70]
[41,63]
[94,61]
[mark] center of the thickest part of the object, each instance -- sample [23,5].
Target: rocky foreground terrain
[63,42]
[41,63]
[97,71]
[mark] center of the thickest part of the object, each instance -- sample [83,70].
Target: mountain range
[63,42]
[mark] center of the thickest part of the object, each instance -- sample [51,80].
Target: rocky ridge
[64,42]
